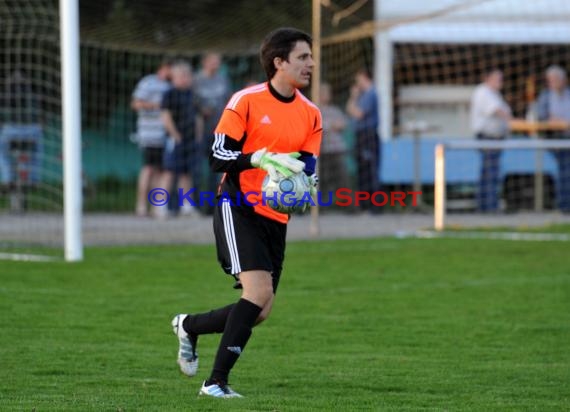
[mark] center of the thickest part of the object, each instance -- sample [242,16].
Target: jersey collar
[279,97]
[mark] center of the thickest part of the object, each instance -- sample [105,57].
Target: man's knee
[261,294]
[257,287]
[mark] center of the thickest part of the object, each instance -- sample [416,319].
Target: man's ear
[278,62]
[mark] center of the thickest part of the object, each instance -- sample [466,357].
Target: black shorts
[248,241]
[152,156]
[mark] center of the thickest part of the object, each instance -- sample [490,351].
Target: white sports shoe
[218,391]
[187,356]
[188,210]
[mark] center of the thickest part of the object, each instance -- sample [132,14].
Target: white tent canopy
[462,21]
[478,21]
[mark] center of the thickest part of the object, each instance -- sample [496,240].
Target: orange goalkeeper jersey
[258,117]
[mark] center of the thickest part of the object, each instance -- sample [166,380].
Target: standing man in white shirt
[490,115]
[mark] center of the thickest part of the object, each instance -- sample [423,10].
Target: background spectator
[490,116]
[182,157]
[212,90]
[332,172]
[362,106]
[554,104]
[151,134]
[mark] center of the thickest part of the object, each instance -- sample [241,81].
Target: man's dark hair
[488,71]
[167,61]
[279,43]
[365,71]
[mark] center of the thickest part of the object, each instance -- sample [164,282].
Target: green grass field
[385,324]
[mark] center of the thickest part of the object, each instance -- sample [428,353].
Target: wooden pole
[439,189]
[314,228]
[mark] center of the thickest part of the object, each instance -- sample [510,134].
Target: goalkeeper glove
[274,163]
[313,184]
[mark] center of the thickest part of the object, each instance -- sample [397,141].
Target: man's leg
[563,192]
[205,323]
[214,321]
[166,182]
[484,193]
[185,183]
[494,180]
[188,327]
[257,294]
[145,176]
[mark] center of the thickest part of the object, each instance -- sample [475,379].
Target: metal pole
[383,77]
[538,182]
[417,185]
[314,228]
[71,113]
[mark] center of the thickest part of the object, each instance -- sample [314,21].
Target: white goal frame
[71,133]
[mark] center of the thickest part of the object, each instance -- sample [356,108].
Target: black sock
[209,322]
[236,334]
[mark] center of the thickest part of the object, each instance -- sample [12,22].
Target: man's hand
[275,163]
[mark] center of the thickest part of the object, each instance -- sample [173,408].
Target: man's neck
[283,88]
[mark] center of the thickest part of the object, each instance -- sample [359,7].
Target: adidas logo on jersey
[266,120]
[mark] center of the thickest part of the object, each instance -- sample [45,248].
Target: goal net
[425,59]
[31,195]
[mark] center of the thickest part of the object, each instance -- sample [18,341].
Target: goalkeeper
[267,128]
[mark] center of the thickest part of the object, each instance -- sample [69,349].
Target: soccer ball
[288,194]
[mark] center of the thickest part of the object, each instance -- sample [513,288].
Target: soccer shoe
[187,356]
[217,390]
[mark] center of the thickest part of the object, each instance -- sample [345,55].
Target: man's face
[555,81]
[361,81]
[297,70]
[212,63]
[495,80]
[181,79]
[164,72]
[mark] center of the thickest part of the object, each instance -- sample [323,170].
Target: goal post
[443,149]
[71,133]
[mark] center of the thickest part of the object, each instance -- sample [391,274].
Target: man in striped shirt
[151,134]
[263,129]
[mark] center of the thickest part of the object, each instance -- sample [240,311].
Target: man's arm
[140,98]
[139,104]
[226,155]
[169,125]
[492,106]
[352,107]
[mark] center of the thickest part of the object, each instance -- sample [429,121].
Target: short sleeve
[313,142]
[233,120]
[142,91]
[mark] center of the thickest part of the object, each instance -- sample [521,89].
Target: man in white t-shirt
[490,116]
